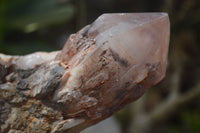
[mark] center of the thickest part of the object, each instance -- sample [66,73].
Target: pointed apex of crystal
[137,37]
[123,21]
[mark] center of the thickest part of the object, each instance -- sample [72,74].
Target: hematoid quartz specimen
[102,68]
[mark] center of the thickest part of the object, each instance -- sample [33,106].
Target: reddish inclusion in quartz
[113,61]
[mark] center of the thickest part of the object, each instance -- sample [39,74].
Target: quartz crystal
[113,61]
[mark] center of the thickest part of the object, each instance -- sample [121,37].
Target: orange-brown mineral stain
[64,65]
[71,54]
[91,49]
[102,82]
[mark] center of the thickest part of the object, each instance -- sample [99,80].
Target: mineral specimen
[102,68]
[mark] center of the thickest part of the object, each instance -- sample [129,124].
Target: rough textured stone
[102,68]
